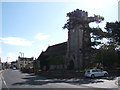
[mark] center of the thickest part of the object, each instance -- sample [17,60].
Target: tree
[108,57]
[113,33]
[109,53]
[97,36]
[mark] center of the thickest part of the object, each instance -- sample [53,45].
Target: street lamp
[7,58]
[22,54]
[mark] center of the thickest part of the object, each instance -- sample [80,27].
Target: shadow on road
[32,79]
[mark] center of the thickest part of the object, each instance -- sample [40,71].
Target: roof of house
[25,59]
[14,62]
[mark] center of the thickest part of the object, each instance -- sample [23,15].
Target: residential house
[25,63]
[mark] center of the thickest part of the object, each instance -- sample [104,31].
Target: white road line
[0,81]
[4,81]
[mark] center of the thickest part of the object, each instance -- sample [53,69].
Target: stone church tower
[78,45]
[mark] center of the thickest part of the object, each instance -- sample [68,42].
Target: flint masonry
[79,40]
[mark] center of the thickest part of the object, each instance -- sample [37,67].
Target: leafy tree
[108,54]
[113,33]
[97,36]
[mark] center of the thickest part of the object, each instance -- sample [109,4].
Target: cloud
[41,36]
[16,41]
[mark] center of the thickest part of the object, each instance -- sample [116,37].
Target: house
[25,63]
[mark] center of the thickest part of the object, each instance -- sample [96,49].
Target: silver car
[95,73]
[14,68]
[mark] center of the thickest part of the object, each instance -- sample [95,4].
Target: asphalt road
[16,79]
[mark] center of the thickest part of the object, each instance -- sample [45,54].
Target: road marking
[1,72]
[0,81]
[4,80]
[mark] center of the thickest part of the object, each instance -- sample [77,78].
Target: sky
[30,27]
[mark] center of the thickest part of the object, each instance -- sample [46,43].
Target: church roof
[60,48]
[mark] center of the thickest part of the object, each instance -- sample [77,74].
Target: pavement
[103,83]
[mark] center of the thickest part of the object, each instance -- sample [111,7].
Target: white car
[14,68]
[95,73]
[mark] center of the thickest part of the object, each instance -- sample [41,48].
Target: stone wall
[78,43]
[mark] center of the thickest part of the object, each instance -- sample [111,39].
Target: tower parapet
[75,18]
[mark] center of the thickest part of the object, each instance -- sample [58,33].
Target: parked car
[95,73]
[14,68]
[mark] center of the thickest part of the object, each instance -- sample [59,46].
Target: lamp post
[7,59]
[22,54]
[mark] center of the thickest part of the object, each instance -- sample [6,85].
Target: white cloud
[16,41]
[41,36]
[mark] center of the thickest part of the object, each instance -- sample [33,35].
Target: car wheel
[105,75]
[92,76]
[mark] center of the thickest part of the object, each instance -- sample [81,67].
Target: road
[16,79]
